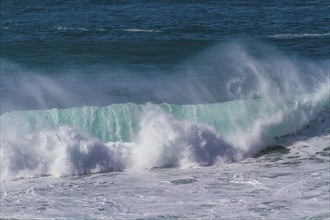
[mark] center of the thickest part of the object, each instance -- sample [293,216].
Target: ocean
[165,109]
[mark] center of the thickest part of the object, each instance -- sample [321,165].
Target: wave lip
[297,36]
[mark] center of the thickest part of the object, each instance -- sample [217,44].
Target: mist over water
[227,71]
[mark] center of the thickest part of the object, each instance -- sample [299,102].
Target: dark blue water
[98,52]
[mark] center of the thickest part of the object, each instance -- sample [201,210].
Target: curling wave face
[119,137]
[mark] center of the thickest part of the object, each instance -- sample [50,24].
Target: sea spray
[238,69]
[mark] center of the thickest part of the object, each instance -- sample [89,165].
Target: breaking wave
[119,137]
[268,95]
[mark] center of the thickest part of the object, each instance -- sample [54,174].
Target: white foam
[141,30]
[295,36]
[59,152]
[64,28]
[165,142]
[162,141]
